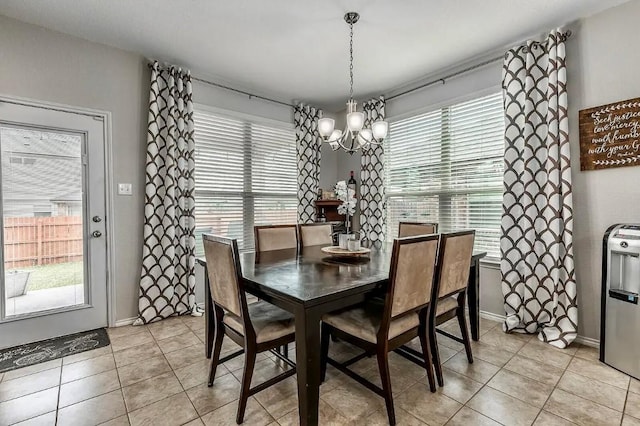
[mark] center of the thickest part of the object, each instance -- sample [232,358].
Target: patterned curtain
[372,208]
[538,275]
[308,153]
[168,281]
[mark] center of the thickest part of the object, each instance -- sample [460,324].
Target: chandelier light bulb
[335,135]
[364,138]
[325,126]
[380,129]
[355,121]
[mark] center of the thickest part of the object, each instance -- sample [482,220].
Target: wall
[49,66]
[602,68]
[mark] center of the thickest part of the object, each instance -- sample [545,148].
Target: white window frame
[490,261]
[248,196]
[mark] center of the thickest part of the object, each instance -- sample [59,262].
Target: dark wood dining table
[308,283]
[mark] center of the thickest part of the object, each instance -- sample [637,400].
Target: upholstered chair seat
[446,304]
[269,321]
[364,322]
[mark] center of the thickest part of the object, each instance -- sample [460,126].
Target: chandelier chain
[354,136]
[351,61]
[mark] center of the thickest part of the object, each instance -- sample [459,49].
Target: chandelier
[354,136]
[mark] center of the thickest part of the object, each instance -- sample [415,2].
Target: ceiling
[298,50]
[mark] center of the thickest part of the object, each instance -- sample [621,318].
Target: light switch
[124,189]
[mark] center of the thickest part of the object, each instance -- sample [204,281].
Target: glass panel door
[54,257]
[42,205]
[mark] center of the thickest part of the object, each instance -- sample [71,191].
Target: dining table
[309,283]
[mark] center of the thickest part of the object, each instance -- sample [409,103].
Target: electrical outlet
[124,189]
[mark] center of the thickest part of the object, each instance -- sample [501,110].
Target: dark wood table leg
[473,299]
[308,365]
[208,315]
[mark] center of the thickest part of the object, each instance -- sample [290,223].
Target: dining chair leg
[385,377]
[215,355]
[249,364]
[435,355]
[463,327]
[325,336]
[285,350]
[426,353]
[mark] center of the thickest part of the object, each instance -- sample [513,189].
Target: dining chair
[315,234]
[379,328]
[275,237]
[451,281]
[411,229]
[257,327]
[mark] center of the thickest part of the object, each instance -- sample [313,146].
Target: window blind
[446,166]
[245,175]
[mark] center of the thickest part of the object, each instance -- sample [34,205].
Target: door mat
[46,350]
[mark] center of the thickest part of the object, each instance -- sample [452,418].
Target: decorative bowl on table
[336,251]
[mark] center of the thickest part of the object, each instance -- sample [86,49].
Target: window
[446,166]
[246,175]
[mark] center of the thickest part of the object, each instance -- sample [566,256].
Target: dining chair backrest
[276,237]
[314,234]
[413,263]
[411,229]
[223,267]
[454,262]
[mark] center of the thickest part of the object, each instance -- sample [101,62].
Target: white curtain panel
[538,275]
[308,154]
[168,282]
[372,204]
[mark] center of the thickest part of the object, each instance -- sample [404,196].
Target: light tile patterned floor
[155,375]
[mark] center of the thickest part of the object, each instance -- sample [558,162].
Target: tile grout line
[484,385]
[59,391]
[475,393]
[551,393]
[198,416]
[624,406]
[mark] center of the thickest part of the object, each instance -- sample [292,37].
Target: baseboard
[587,341]
[126,321]
[491,316]
[129,321]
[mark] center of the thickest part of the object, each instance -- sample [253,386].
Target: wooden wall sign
[610,135]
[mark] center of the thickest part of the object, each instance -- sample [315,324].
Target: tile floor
[155,375]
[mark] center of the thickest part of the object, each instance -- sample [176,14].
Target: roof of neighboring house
[40,167]
[70,196]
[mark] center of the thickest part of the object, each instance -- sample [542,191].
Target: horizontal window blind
[246,175]
[446,166]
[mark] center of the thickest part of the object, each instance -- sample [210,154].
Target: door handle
[96,234]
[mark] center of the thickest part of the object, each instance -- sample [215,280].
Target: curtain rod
[442,80]
[232,89]
[250,95]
